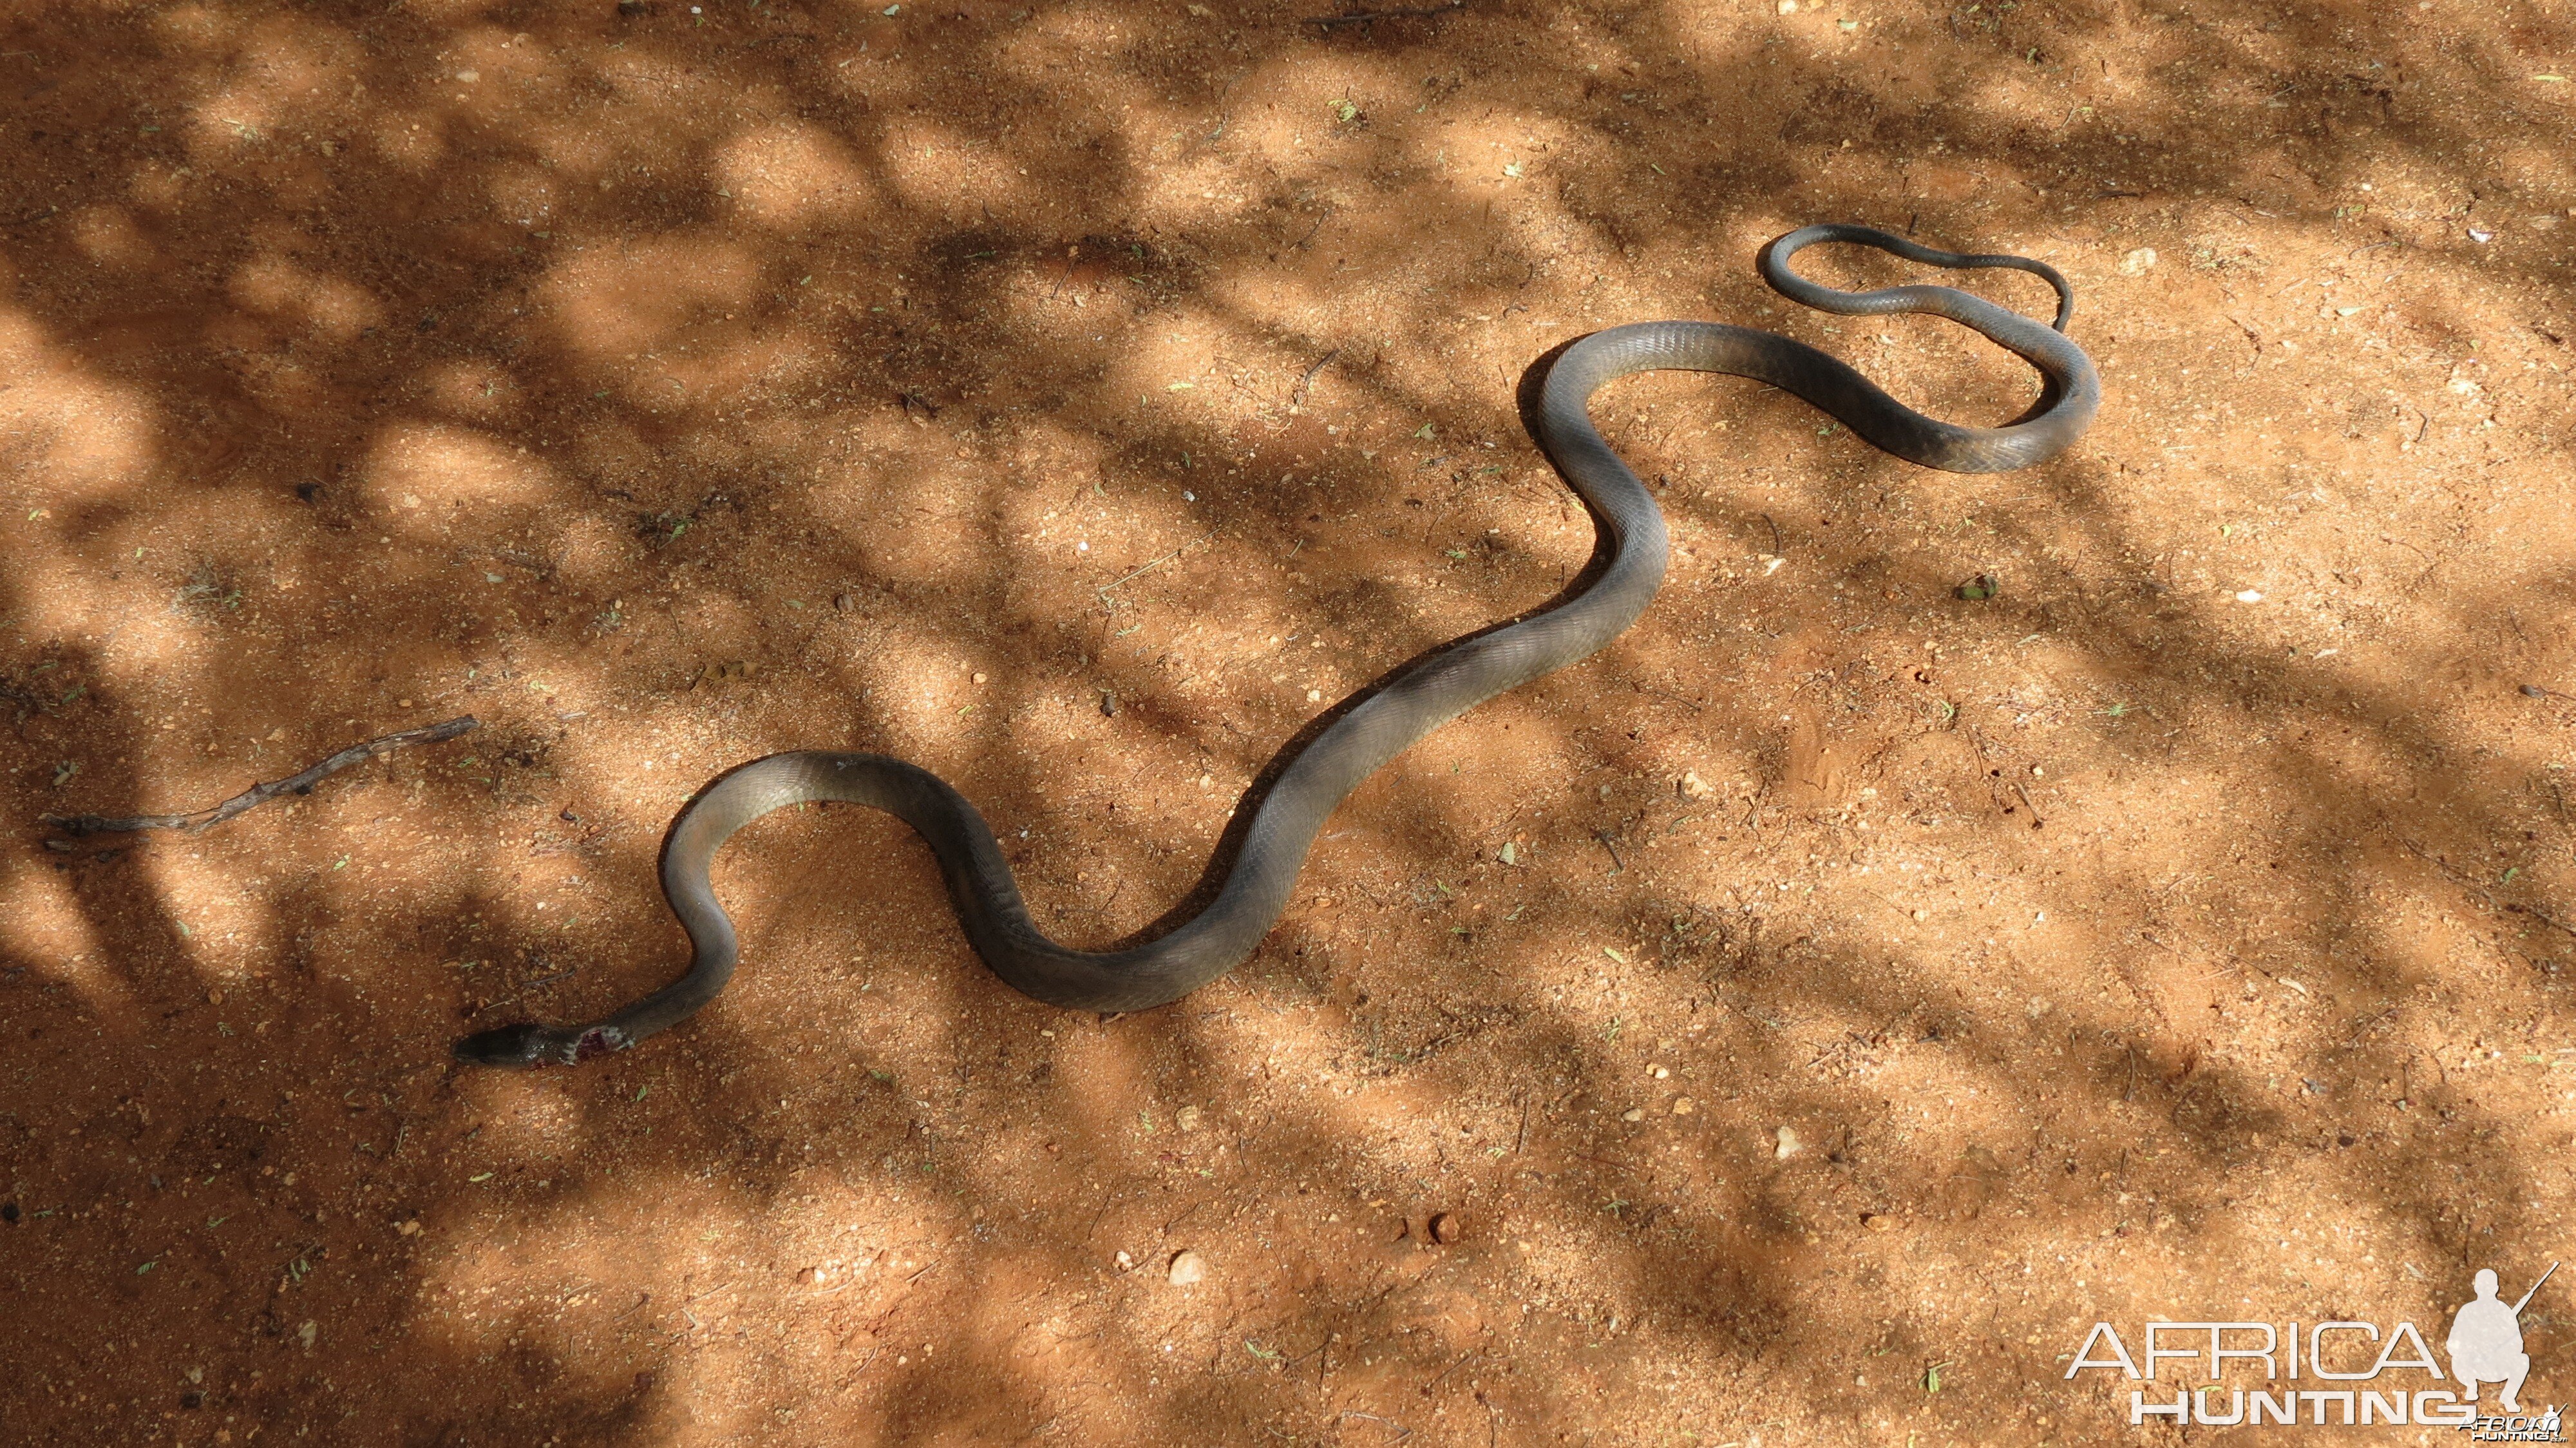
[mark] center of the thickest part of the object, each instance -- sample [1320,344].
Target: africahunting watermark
[2484,1348]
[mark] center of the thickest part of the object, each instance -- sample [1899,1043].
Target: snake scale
[1384,724]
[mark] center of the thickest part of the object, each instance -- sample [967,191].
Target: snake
[1631,554]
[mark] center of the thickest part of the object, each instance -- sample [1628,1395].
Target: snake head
[530,1044]
[524,1044]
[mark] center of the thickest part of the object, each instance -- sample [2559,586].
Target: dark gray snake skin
[1382,726]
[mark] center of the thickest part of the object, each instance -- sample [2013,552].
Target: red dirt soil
[1814,1012]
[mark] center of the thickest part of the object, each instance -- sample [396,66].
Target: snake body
[1377,728]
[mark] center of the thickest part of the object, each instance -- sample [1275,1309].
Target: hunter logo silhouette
[2486,1341]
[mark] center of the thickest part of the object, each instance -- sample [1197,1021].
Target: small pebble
[979,678]
[1877,1221]
[1125,1261]
[841,603]
[1788,1144]
[1659,1072]
[402,703]
[2138,262]
[1684,1106]
[1188,1118]
[469,77]
[1187,1268]
[1109,704]
[1694,787]
[1633,1113]
[408,1228]
[2249,596]
[1444,1228]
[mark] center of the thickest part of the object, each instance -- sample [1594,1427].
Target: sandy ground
[1812,1014]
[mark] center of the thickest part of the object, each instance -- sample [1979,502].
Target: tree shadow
[669,387]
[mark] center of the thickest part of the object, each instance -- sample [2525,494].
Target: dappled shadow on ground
[1835,978]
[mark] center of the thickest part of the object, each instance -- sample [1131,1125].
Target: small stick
[2510,907]
[1616,864]
[1104,590]
[2035,820]
[259,794]
[1366,16]
[1471,1352]
[1298,397]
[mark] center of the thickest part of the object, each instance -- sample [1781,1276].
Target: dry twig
[2510,907]
[1297,398]
[259,794]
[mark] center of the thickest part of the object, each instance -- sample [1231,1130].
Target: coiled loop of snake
[1377,728]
